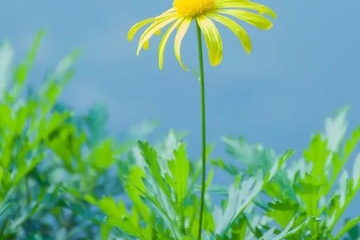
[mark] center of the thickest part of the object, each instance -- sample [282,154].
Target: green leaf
[117,216]
[283,211]
[228,167]
[135,188]
[238,230]
[150,156]
[257,157]
[6,119]
[354,233]
[24,170]
[356,172]
[348,225]
[287,232]
[102,156]
[317,154]
[238,200]
[105,231]
[21,72]
[179,168]
[348,149]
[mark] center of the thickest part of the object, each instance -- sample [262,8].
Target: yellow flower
[204,12]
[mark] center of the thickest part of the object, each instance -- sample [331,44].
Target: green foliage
[164,198]
[267,200]
[49,157]
[55,166]
[316,189]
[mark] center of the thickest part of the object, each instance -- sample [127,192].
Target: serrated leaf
[151,158]
[277,165]
[238,200]
[179,168]
[117,216]
[317,154]
[135,188]
[283,211]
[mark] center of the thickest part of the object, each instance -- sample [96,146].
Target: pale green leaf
[335,129]
[348,225]
[6,59]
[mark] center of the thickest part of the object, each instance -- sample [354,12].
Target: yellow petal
[166,13]
[239,31]
[153,28]
[212,39]
[146,45]
[164,40]
[254,19]
[133,30]
[262,9]
[184,26]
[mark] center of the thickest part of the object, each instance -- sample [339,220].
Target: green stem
[203,129]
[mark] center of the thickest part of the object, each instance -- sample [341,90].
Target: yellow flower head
[191,8]
[205,13]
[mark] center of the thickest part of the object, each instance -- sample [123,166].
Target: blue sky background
[300,72]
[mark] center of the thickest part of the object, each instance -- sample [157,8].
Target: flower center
[192,8]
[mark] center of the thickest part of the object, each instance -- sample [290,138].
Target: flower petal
[251,18]
[212,39]
[184,26]
[133,30]
[164,40]
[166,13]
[154,28]
[239,31]
[146,45]
[228,4]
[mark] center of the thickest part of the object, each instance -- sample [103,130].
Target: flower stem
[203,129]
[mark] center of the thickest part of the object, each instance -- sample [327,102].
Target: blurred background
[299,73]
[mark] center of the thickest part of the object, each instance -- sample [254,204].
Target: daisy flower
[205,13]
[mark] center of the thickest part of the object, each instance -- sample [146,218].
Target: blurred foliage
[161,183]
[267,200]
[49,157]
[316,188]
[62,177]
